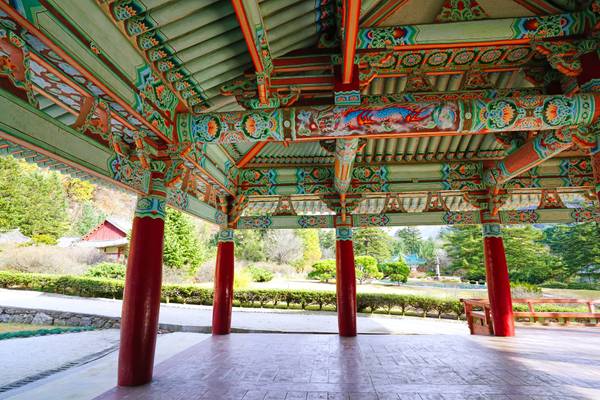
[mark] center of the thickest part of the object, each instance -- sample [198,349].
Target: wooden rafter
[251,154]
[382,11]
[539,7]
[250,20]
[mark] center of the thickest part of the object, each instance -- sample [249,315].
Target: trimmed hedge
[274,298]
[571,285]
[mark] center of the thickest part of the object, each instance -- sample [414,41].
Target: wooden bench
[479,314]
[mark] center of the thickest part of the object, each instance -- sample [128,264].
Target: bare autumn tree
[283,246]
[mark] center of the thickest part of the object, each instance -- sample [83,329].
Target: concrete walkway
[198,318]
[82,382]
[28,359]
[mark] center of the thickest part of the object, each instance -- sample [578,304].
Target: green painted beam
[400,178]
[22,124]
[410,119]
[495,30]
[34,129]
[543,216]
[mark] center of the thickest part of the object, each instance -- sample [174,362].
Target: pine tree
[32,200]
[374,242]
[181,246]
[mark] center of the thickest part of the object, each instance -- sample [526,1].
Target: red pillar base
[223,294]
[345,282]
[498,281]
[141,302]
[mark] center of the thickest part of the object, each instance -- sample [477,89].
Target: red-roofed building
[109,237]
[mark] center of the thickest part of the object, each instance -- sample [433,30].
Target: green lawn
[572,293]
[10,327]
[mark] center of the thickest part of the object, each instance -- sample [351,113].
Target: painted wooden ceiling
[152,60]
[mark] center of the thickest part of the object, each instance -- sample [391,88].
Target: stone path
[24,358]
[538,364]
[79,383]
[198,318]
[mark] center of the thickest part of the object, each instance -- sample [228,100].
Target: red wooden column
[141,299]
[345,282]
[498,281]
[595,156]
[589,81]
[223,295]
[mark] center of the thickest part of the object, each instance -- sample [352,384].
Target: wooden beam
[509,217]
[351,16]
[480,31]
[534,152]
[412,119]
[422,177]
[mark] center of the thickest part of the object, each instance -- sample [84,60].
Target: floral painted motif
[491,230]
[151,207]
[373,220]
[377,176]
[254,222]
[460,10]
[576,172]
[343,233]
[313,221]
[458,218]
[225,235]
[129,173]
[546,26]
[585,215]
[386,37]
[258,181]
[314,180]
[461,176]
[236,127]
[520,217]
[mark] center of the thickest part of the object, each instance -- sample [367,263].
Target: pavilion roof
[134,81]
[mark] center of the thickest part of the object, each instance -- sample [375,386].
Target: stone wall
[19,315]
[59,318]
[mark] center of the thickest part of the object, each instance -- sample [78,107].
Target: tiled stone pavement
[538,364]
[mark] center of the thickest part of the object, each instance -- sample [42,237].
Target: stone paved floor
[538,364]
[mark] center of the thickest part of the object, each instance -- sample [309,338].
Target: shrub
[425,304]
[259,274]
[323,270]
[107,270]
[44,238]
[241,279]
[571,285]
[555,285]
[50,260]
[366,269]
[521,290]
[396,271]
[191,294]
